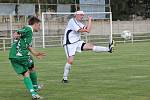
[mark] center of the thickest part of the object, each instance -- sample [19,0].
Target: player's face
[79,16]
[36,27]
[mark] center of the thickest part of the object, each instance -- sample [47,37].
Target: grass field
[122,75]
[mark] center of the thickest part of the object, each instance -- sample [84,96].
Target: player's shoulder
[28,27]
[25,28]
[71,20]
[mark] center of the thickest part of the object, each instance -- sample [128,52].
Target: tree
[126,9]
[119,9]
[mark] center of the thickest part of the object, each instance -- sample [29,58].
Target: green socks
[33,77]
[29,86]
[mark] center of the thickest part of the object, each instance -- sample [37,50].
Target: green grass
[122,75]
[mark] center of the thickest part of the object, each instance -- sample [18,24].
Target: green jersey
[19,47]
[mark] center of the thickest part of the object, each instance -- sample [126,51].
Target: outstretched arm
[88,27]
[35,53]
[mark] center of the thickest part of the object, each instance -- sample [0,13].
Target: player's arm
[16,35]
[36,53]
[88,27]
[20,32]
[29,45]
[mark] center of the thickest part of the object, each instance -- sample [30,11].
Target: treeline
[121,9]
[130,9]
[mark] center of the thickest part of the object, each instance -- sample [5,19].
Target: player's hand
[90,18]
[40,55]
[16,35]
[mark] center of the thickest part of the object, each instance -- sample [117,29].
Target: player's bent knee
[25,74]
[70,62]
[88,46]
[32,68]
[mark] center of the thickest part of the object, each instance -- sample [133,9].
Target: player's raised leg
[89,46]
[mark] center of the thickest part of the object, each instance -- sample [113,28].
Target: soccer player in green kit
[21,59]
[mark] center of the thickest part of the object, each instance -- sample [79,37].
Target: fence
[142,26]
[8,25]
[56,41]
[140,29]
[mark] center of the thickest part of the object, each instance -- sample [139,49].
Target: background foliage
[121,9]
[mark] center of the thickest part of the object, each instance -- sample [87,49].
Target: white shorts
[71,49]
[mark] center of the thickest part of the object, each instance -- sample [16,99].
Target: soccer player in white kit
[72,41]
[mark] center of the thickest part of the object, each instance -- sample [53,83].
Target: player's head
[35,23]
[79,15]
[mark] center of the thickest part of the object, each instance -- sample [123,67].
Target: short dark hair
[33,20]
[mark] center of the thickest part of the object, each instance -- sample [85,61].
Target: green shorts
[22,65]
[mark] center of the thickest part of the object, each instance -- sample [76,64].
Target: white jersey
[71,32]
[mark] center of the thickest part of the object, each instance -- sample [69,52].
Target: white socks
[67,68]
[100,48]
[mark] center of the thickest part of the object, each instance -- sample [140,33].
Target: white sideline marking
[144,76]
[4,62]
